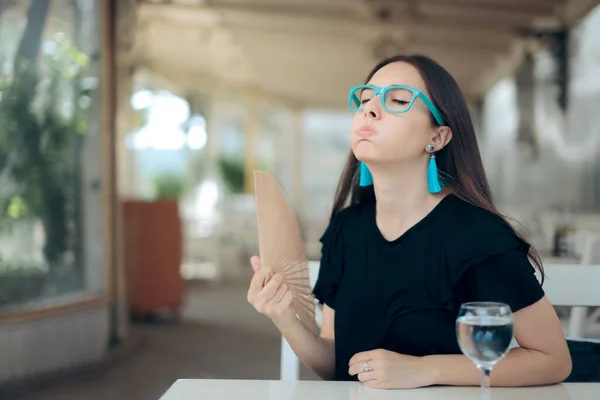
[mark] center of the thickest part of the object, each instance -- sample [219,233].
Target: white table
[225,389]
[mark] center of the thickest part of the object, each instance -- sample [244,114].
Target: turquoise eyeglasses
[394,99]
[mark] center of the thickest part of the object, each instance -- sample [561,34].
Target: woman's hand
[391,370]
[272,298]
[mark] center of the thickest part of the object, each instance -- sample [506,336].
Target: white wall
[326,144]
[566,172]
[53,343]
[584,97]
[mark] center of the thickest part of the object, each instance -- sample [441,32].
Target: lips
[365,131]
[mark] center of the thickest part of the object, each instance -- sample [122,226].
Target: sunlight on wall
[566,172]
[167,115]
[168,137]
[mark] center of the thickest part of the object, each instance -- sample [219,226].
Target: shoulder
[475,234]
[468,212]
[470,220]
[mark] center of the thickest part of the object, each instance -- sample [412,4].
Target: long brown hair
[460,158]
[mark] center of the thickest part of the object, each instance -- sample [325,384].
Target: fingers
[356,368]
[281,291]
[271,288]
[255,262]
[256,284]
[367,376]
[281,299]
[361,357]
[283,306]
[278,304]
[259,295]
[267,293]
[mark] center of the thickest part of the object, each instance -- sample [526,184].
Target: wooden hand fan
[281,246]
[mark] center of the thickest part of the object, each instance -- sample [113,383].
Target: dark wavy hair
[460,158]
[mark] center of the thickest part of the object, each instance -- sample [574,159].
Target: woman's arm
[274,299]
[543,357]
[316,353]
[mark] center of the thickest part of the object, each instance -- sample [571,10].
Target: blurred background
[129,131]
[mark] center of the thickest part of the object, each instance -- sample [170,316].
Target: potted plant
[232,173]
[167,186]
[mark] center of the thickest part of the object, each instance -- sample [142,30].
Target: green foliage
[42,119]
[232,172]
[17,207]
[167,186]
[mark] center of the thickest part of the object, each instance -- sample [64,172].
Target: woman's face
[382,137]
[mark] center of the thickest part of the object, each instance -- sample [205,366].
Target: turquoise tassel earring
[365,177]
[435,181]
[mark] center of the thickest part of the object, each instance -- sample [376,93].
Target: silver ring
[367,368]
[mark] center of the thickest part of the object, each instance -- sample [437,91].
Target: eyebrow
[393,84]
[404,84]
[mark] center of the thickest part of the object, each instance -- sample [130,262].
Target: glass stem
[485,383]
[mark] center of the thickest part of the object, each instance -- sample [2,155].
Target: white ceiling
[312,51]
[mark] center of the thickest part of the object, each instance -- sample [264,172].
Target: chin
[364,151]
[360,156]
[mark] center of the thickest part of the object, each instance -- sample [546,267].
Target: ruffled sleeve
[331,266]
[482,239]
[506,278]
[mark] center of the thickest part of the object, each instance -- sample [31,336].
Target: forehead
[399,73]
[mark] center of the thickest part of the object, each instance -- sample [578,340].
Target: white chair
[577,286]
[587,247]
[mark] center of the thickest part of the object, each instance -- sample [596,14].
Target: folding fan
[281,246]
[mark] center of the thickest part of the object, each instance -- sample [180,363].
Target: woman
[413,235]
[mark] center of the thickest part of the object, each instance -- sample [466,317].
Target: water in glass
[484,331]
[484,339]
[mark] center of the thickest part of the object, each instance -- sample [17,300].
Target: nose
[371,108]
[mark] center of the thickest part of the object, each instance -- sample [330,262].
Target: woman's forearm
[521,367]
[316,353]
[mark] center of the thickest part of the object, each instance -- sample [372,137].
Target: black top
[404,295]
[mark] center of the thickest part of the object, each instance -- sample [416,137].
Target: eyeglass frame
[377,90]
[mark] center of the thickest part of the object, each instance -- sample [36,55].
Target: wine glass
[484,331]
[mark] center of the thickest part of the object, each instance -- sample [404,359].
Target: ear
[441,137]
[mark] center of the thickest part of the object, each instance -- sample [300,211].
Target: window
[51,209]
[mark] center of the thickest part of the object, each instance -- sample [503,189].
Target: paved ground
[221,336]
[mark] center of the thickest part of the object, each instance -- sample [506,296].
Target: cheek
[399,131]
[357,121]
[405,136]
